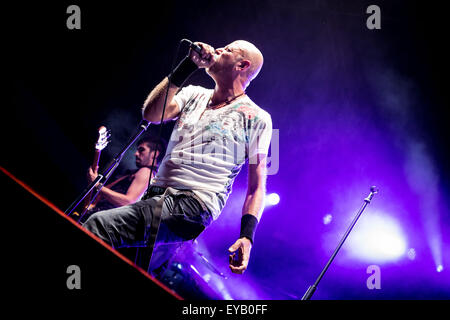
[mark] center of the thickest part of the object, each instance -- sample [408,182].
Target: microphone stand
[107,171]
[308,294]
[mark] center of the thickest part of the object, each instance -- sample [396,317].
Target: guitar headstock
[103,138]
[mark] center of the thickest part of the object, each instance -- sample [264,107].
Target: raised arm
[153,105]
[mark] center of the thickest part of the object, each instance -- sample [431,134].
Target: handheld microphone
[194,46]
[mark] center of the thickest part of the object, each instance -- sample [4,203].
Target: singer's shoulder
[193,90]
[259,111]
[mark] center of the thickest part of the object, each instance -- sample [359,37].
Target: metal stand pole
[308,294]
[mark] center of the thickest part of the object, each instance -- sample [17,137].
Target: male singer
[216,131]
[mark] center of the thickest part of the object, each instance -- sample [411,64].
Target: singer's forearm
[256,190]
[254,203]
[154,104]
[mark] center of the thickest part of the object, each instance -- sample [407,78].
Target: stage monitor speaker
[48,255]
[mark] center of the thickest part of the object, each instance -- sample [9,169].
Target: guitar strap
[118,180]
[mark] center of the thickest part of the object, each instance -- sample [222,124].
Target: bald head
[238,62]
[253,55]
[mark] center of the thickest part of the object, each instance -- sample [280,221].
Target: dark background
[61,85]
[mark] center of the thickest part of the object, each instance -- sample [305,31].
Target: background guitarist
[130,187]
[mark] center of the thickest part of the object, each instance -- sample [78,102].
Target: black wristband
[184,69]
[248,226]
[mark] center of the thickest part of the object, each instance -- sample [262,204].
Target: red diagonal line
[107,246]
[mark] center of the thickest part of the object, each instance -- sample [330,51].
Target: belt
[155,190]
[152,191]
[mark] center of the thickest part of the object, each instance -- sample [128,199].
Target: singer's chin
[211,70]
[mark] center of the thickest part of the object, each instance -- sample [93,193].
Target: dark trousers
[183,217]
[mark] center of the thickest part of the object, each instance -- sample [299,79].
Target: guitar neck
[102,142]
[96,159]
[94,166]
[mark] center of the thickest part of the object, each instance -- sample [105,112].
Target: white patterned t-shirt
[208,147]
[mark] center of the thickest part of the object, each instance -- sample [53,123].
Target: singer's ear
[243,65]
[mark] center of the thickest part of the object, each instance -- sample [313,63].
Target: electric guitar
[102,141]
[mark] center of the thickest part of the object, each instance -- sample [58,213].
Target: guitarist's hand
[91,174]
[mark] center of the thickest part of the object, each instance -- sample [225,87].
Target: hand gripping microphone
[194,46]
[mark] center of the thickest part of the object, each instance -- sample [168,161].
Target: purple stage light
[412,254]
[423,178]
[272,199]
[440,268]
[327,219]
[377,238]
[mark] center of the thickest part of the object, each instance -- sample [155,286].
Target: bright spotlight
[327,219]
[439,268]
[377,238]
[273,199]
